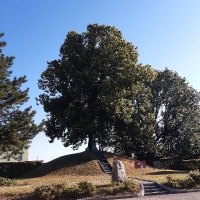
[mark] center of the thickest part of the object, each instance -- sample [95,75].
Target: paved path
[179,196]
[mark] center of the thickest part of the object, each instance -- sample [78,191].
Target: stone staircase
[151,188]
[104,164]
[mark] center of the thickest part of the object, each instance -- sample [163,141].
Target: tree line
[98,88]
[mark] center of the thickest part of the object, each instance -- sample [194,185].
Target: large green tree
[91,86]
[176,110]
[136,137]
[17,126]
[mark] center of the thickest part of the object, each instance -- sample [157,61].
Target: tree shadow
[163,172]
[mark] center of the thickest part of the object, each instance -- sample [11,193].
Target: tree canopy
[17,126]
[176,109]
[91,86]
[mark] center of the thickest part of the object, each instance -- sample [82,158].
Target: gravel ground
[179,196]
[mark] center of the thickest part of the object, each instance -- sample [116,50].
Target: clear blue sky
[167,33]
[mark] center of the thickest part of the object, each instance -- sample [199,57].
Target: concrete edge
[170,190]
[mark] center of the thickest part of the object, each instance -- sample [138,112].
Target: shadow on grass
[163,172]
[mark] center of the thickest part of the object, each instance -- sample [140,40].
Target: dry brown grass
[148,173]
[79,164]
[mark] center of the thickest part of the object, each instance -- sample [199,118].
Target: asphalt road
[179,196]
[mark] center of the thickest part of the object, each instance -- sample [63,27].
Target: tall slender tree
[91,85]
[17,126]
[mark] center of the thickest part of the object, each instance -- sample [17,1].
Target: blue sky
[167,34]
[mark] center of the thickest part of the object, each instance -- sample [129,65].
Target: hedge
[171,163]
[193,164]
[16,169]
[178,164]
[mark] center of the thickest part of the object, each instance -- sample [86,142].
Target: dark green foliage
[16,169]
[172,163]
[176,110]
[91,86]
[87,188]
[179,164]
[193,164]
[17,126]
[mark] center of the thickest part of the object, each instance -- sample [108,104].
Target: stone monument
[118,172]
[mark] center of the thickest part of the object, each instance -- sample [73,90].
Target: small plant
[73,192]
[57,190]
[53,191]
[187,183]
[87,188]
[7,182]
[195,175]
[113,189]
[169,178]
[43,192]
[130,186]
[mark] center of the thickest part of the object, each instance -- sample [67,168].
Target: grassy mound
[79,164]
[85,164]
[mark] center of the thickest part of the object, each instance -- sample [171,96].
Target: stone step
[103,162]
[153,189]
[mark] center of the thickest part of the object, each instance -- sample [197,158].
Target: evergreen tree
[91,86]
[136,138]
[17,126]
[176,110]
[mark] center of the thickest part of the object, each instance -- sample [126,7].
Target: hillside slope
[83,164]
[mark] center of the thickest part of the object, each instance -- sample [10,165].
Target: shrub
[73,192]
[58,190]
[113,188]
[46,192]
[171,163]
[43,192]
[7,182]
[193,164]
[195,175]
[16,169]
[130,186]
[192,180]
[87,188]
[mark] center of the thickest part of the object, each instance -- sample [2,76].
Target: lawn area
[83,166]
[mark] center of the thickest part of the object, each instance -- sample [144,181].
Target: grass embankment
[81,167]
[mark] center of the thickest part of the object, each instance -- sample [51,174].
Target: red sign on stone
[140,164]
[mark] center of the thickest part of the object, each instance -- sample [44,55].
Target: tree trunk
[90,142]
